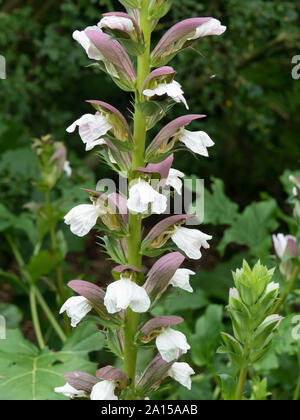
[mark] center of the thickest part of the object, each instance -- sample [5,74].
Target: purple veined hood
[170,130]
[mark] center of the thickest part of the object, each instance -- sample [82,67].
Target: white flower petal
[82,219]
[182,372]
[104,390]
[170,343]
[174,180]
[211,27]
[141,195]
[197,141]
[190,241]
[81,37]
[67,168]
[76,308]
[91,129]
[69,391]
[125,293]
[181,279]
[173,90]
[117,23]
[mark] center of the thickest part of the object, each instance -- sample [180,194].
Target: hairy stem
[135,222]
[288,289]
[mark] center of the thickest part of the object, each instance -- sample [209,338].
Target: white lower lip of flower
[69,391]
[141,195]
[91,129]
[118,23]
[197,141]
[77,308]
[211,27]
[174,180]
[81,37]
[125,293]
[173,90]
[82,219]
[181,279]
[103,390]
[190,241]
[181,372]
[170,343]
[67,168]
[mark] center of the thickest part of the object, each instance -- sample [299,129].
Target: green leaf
[228,387]
[179,300]
[207,335]
[6,218]
[27,374]
[12,314]
[84,338]
[219,209]
[41,264]
[253,228]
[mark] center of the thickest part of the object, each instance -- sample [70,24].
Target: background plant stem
[58,268]
[35,319]
[288,289]
[138,159]
[241,384]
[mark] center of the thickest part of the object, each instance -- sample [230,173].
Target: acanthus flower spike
[76,307]
[182,372]
[183,35]
[117,61]
[104,390]
[190,241]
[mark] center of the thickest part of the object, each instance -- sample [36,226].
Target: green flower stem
[50,316]
[297,390]
[33,289]
[58,268]
[135,222]
[35,319]
[288,289]
[241,384]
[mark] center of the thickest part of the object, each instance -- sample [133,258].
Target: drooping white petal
[174,180]
[211,27]
[190,241]
[76,308]
[67,168]
[69,391]
[117,23]
[141,195]
[181,279]
[182,372]
[82,219]
[197,141]
[104,390]
[280,244]
[173,90]
[91,129]
[81,37]
[170,343]
[125,293]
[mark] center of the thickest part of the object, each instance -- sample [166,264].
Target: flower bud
[122,25]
